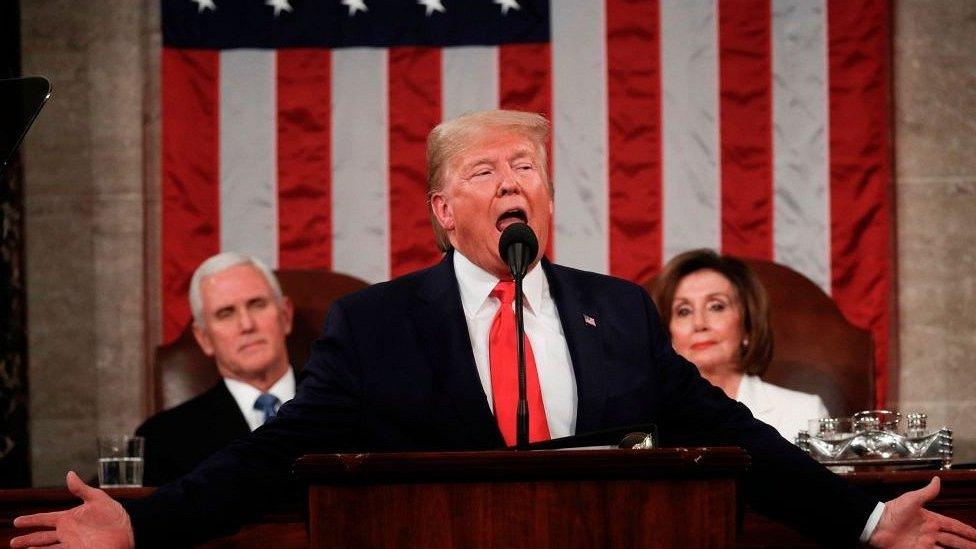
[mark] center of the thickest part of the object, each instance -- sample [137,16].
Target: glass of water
[120,462]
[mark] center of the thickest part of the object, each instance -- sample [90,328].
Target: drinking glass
[120,461]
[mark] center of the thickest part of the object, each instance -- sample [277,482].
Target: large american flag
[295,130]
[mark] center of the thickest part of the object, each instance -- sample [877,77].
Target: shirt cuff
[872,522]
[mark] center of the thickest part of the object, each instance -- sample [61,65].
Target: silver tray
[875,438]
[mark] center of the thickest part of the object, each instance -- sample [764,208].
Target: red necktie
[503,357]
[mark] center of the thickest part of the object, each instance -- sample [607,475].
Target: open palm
[906,523]
[98,522]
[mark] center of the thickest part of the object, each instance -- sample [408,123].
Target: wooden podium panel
[582,498]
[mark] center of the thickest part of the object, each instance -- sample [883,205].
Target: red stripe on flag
[304,158]
[525,84]
[634,105]
[415,108]
[191,179]
[746,114]
[859,53]
[525,78]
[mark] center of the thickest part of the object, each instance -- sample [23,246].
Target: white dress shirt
[245,395]
[542,327]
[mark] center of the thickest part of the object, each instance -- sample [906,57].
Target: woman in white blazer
[718,314]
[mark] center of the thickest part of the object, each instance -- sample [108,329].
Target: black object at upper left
[21,99]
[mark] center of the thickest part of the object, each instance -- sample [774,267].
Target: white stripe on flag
[360,174]
[580,133]
[470,80]
[800,177]
[248,166]
[690,149]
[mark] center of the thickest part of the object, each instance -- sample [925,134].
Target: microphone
[518,246]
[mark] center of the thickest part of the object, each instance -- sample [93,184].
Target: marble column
[85,211]
[935,159]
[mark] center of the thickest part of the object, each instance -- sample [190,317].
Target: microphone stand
[518,247]
[522,412]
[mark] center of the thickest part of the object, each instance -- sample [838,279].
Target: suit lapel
[226,413]
[439,319]
[581,326]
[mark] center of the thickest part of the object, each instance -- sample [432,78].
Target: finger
[927,494]
[48,520]
[947,539]
[956,527]
[78,487]
[35,539]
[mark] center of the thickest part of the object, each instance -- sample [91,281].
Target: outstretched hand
[906,523]
[98,522]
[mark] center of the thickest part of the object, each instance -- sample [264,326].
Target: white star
[432,6]
[279,6]
[355,6]
[204,5]
[507,5]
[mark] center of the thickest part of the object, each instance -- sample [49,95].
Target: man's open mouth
[510,217]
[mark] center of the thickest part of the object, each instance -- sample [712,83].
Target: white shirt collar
[245,395]
[476,285]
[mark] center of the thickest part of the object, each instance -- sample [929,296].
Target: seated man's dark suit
[179,439]
[393,370]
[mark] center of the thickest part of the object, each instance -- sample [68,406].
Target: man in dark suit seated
[241,320]
[425,362]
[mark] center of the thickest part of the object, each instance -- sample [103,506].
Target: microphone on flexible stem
[518,247]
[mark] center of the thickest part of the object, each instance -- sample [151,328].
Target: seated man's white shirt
[245,395]
[542,327]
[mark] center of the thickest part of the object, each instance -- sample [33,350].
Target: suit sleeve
[251,476]
[782,481]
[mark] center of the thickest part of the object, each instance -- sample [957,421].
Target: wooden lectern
[567,498]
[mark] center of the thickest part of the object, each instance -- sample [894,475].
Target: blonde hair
[452,137]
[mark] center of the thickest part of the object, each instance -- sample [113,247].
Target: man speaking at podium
[426,362]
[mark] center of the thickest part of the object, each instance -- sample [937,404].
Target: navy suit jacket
[393,370]
[179,439]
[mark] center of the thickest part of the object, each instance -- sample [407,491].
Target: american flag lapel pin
[589,320]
